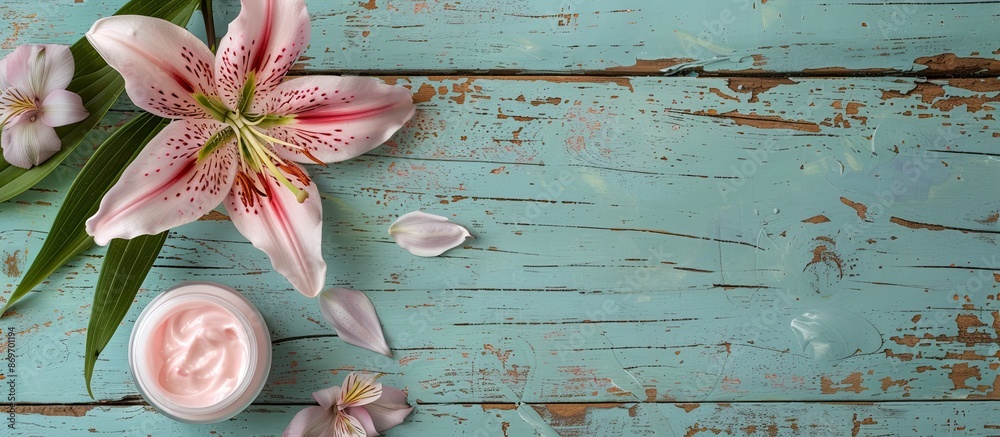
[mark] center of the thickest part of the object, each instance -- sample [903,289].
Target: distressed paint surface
[653,254]
[771,419]
[611,37]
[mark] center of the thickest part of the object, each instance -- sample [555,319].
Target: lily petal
[166,186]
[364,419]
[17,68]
[353,316]
[40,68]
[359,389]
[163,64]
[62,107]
[269,215]
[389,410]
[266,39]
[4,81]
[27,142]
[318,420]
[427,235]
[327,397]
[345,425]
[337,118]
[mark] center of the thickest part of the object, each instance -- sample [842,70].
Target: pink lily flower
[362,408]
[34,101]
[239,132]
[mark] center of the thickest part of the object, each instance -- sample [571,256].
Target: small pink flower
[361,408]
[239,131]
[34,101]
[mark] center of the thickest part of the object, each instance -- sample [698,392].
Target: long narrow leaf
[68,237]
[209,16]
[98,85]
[124,269]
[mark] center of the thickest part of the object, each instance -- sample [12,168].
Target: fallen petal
[427,235]
[353,317]
[389,410]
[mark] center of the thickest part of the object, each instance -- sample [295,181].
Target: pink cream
[197,354]
[200,353]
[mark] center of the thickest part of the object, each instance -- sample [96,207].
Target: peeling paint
[852,383]
[54,410]
[12,263]
[818,219]
[950,63]
[762,121]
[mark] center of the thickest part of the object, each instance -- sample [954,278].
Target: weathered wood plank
[59,21]
[644,419]
[638,239]
[606,37]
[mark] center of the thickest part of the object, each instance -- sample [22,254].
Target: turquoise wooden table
[791,231]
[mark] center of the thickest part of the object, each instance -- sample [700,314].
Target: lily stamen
[262,154]
[274,140]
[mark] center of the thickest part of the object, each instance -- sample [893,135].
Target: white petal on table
[427,235]
[353,316]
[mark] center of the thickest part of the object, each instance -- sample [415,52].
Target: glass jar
[200,353]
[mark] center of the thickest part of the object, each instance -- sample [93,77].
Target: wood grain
[632,419]
[647,247]
[615,37]
[636,240]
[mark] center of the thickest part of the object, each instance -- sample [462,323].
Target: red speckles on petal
[266,38]
[167,196]
[329,128]
[164,65]
[290,232]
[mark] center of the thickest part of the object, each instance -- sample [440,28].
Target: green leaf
[125,267]
[206,12]
[68,236]
[98,85]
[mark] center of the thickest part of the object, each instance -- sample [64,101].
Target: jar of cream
[200,353]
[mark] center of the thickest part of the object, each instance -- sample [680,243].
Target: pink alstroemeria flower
[361,408]
[240,132]
[34,101]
